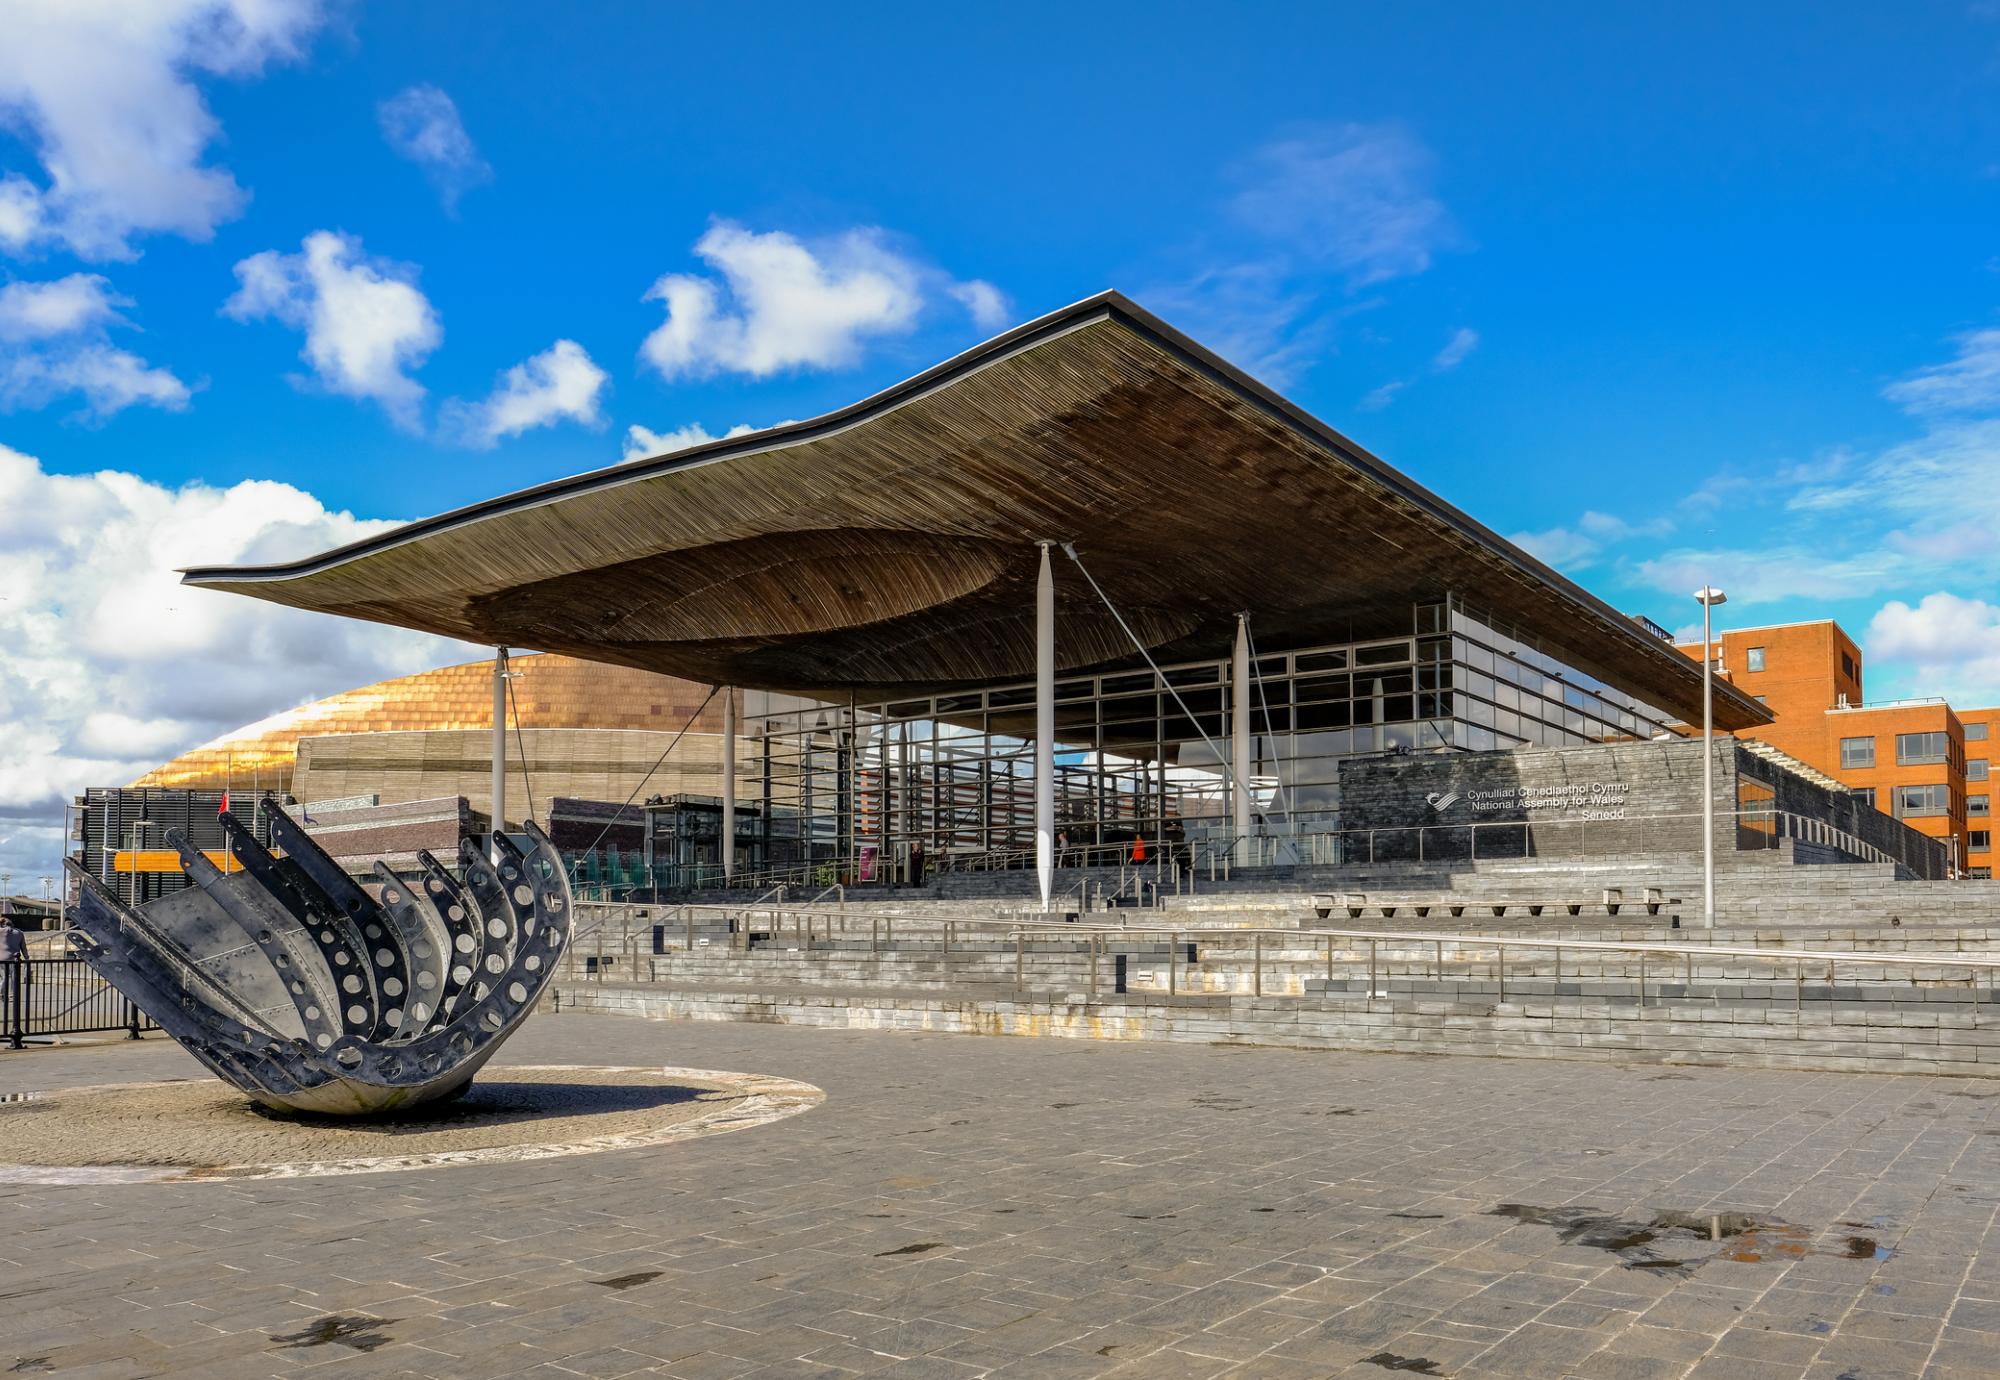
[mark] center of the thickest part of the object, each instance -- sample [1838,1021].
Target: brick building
[1919,760]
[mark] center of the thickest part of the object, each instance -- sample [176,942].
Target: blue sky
[1671,295]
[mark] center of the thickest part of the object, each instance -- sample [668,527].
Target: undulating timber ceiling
[890,547]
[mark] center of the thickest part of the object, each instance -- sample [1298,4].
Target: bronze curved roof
[889,547]
[548,692]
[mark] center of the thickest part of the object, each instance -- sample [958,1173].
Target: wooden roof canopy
[890,547]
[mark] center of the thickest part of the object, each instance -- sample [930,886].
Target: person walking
[917,862]
[13,972]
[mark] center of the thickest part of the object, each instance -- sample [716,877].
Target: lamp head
[1710,595]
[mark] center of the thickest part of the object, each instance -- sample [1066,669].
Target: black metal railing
[62,996]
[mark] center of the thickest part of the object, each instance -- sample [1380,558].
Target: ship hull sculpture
[291,982]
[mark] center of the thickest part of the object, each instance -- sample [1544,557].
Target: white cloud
[54,342]
[1463,342]
[1315,218]
[986,304]
[65,306]
[562,383]
[641,442]
[421,124]
[20,213]
[366,324]
[104,93]
[1946,645]
[112,664]
[1354,196]
[1917,514]
[108,379]
[1253,315]
[1968,382]
[785,304]
[1768,575]
[1380,396]
[1579,545]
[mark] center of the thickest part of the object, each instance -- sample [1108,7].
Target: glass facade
[1141,756]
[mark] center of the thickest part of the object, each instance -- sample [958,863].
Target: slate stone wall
[1605,800]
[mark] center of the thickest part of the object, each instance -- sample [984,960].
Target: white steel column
[1709,597]
[1045,728]
[499,750]
[728,783]
[1239,740]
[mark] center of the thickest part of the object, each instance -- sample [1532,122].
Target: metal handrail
[1462,939]
[1507,941]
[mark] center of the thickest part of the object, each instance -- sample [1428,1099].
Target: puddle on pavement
[1746,1239]
[914,1248]
[628,1281]
[1409,1365]
[1736,1236]
[353,1330]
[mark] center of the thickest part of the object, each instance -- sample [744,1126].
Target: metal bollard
[1173,958]
[1257,964]
[1019,945]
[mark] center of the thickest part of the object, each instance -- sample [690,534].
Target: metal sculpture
[293,983]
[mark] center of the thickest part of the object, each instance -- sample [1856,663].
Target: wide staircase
[1817,967]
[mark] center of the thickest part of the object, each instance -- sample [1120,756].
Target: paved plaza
[964,1206]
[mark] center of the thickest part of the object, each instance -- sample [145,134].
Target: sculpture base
[198,1129]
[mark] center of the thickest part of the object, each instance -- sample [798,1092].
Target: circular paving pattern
[193,1130]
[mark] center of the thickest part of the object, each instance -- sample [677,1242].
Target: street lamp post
[135,842]
[1708,597]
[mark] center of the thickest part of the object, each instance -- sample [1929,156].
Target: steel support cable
[659,762]
[521,747]
[1069,550]
[1288,802]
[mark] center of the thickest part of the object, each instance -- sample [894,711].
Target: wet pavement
[964,1206]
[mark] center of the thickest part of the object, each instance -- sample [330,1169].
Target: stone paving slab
[973,1207]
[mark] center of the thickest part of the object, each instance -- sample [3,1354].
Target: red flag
[223,808]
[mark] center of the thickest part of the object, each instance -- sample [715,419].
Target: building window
[1920,749]
[1753,659]
[1975,769]
[1758,698]
[1921,802]
[1979,840]
[1975,733]
[1856,753]
[1978,805]
[1847,666]
[1979,874]
[1864,795]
